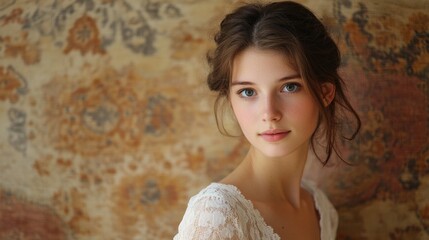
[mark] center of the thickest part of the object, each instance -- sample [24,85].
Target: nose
[271,110]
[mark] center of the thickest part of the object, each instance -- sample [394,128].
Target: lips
[274,135]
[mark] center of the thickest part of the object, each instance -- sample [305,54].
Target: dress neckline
[307,186]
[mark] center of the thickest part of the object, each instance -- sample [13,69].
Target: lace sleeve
[210,216]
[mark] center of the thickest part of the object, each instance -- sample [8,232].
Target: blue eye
[246,93]
[291,87]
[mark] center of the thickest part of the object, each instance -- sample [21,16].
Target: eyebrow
[280,80]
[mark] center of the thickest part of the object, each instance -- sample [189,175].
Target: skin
[268,95]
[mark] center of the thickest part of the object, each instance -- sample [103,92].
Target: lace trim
[249,206]
[258,214]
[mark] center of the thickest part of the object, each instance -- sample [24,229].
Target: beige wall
[107,126]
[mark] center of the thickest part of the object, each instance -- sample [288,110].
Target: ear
[328,93]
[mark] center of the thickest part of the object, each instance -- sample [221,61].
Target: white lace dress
[220,211]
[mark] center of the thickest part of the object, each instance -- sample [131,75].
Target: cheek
[304,112]
[243,114]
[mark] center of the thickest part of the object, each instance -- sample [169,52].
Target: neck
[276,179]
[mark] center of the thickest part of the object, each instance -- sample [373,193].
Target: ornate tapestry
[107,126]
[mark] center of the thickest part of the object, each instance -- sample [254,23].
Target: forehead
[254,63]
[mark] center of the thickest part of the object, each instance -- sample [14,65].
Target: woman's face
[272,103]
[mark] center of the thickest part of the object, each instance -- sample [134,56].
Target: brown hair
[294,30]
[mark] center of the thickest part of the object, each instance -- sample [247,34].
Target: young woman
[276,67]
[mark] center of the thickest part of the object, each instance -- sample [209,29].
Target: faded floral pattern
[108,129]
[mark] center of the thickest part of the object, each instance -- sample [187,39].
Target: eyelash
[297,88]
[241,91]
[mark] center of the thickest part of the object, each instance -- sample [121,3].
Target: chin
[275,153]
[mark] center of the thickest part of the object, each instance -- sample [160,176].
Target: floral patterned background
[107,126]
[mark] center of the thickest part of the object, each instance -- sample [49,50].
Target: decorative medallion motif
[84,37]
